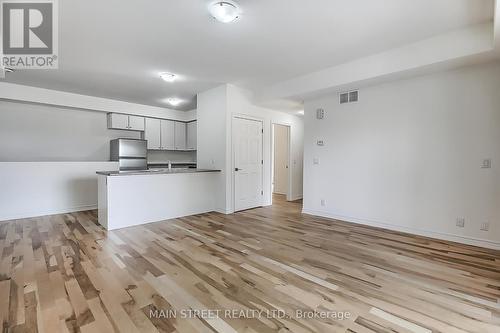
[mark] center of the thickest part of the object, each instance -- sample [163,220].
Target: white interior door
[247,136]
[280,159]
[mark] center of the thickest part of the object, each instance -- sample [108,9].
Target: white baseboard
[431,234]
[296,197]
[224,211]
[26,215]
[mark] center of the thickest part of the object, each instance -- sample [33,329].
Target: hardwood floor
[64,273]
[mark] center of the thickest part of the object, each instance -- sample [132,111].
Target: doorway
[248,163]
[281,161]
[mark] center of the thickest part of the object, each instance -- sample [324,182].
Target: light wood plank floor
[271,265]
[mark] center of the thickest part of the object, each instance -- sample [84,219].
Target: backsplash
[155,156]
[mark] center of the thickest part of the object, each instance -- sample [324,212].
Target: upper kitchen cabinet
[125,122]
[160,134]
[152,133]
[117,121]
[136,123]
[191,136]
[163,134]
[180,136]
[168,134]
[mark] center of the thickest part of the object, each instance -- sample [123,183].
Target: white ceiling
[116,48]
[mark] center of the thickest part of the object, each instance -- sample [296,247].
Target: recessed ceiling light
[174,101]
[224,11]
[168,77]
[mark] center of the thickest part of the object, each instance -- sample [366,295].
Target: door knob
[237,169]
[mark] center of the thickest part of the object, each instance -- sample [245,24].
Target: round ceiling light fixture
[174,101]
[168,77]
[224,11]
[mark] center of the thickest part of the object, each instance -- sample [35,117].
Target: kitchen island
[137,197]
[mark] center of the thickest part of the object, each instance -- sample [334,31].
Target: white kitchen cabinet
[180,136]
[191,136]
[167,135]
[152,133]
[117,121]
[125,122]
[136,123]
[163,134]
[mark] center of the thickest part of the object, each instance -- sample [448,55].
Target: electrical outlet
[316,160]
[485,226]
[460,222]
[323,202]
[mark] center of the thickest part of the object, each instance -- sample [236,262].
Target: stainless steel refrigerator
[132,154]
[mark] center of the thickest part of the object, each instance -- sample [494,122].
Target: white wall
[408,155]
[32,132]
[159,156]
[213,145]
[43,188]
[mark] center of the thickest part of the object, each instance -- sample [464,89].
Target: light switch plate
[316,160]
[486,163]
[320,143]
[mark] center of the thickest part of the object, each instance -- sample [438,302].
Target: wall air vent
[349,97]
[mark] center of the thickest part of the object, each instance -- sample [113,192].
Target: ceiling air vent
[353,96]
[349,97]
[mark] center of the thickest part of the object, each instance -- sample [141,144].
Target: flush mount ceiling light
[224,11]
[168,77]
[174,101]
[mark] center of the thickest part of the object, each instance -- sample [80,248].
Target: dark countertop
[154,172]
